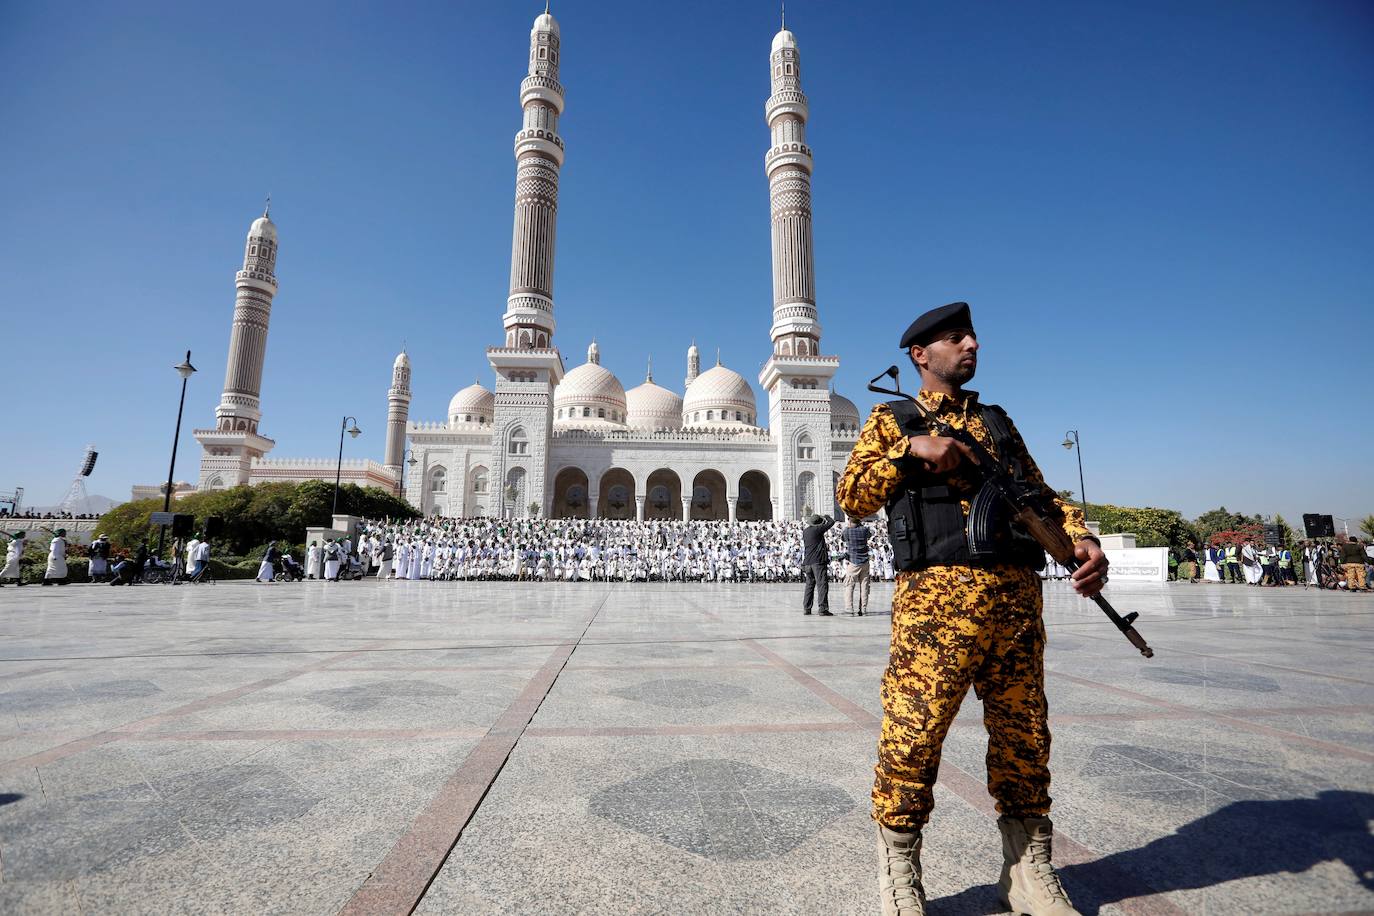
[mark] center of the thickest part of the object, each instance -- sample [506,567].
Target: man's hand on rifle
[939,453]
[1091,574]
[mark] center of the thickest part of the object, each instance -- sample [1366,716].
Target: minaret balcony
[549,145]
[787,101]
[259,278]
[543,89]
[798,154]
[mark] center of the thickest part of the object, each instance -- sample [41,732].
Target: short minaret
[693,366]
[397,413]
[796,377]
[229,449]
[528,367]
[594,354]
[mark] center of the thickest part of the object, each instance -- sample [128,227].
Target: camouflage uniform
[952,627]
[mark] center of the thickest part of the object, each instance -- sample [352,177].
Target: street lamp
[185,370]
[407,456]
[338,470]
[1072,443]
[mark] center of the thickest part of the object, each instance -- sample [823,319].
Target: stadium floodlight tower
[77,500]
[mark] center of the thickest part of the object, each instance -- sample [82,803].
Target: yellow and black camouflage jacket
[874,470]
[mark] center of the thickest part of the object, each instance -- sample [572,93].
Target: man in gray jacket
[816,564]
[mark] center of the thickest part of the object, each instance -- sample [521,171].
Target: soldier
[959,621]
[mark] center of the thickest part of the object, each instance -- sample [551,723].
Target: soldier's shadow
[1245,839]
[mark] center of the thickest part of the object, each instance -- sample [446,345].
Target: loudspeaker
[88,464]
[183,525]
[214,525]
[1319,526]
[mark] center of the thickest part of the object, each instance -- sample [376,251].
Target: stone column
[733,502]
[591,503]
[686,508]
[639,508]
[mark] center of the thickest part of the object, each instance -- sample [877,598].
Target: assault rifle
[1027,506]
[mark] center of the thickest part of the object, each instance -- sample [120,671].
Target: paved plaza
[491,748]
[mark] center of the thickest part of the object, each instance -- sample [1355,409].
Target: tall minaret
[788,165]
[529,367]
[796,377]
[397,413]
[538,157]
[228,454]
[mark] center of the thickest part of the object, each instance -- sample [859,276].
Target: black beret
[945,318]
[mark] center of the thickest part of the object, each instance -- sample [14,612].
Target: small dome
[784,39]
[843,413]
[263,228]
[545,22]
[589,395]
[722,392]
[473,401]
[653,407]
[402,360]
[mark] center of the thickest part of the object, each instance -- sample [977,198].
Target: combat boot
[899,873]
[1029,883]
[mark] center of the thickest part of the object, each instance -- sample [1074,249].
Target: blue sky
[1162,214]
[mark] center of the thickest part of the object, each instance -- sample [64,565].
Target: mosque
[575,443]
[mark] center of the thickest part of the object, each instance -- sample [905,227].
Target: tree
[1152,527]
[254,515]
[1367,526]
[1222,519]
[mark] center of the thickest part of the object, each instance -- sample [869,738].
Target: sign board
[161,518]
[1138,564]
[1273,535]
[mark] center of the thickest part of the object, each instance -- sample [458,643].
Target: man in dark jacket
[815,564]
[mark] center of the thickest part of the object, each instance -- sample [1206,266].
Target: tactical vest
[925,521]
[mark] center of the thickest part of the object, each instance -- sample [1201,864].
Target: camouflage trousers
[954,627]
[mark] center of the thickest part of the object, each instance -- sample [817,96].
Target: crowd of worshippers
[1345,563]
[585,550]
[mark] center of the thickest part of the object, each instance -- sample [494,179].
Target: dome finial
[784,14]
[594,353]
[717,356]
[267,207]
[649,374]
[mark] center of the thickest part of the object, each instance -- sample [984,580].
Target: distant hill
[95,505]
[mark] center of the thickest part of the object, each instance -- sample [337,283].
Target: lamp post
[1073,443]
[408,458]
[185,370]
[338,470]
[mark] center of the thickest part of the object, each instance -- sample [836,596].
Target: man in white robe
[57,559]
[314,561]
[332,556]
[13,553]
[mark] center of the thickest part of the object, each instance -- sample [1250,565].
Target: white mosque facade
[547,442]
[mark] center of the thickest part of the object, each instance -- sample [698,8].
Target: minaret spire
[267,207]
[529,320]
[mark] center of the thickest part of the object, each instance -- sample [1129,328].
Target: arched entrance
[806,494]
[755,498]
[616,497]
[513,493]
[663,490]
[571,494]
[708,497]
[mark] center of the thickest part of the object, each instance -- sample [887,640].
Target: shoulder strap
[908,418]
[998,424]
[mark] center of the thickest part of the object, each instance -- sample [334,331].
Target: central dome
[653,407]
[719,396]
[843,414]
[589,396]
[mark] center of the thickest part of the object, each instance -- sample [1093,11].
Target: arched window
[437,480]
[710,415]
[806,450]
[586,411]
[479,480]
[519,443]
[601,413]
